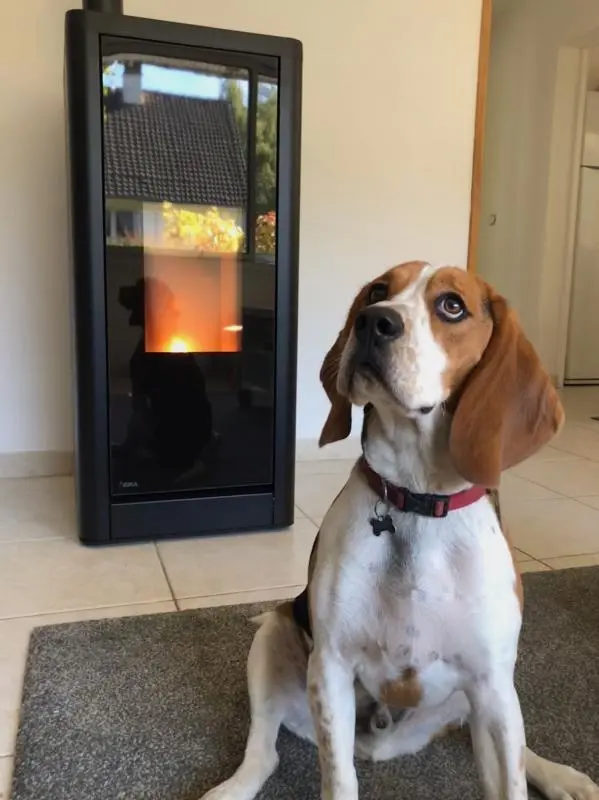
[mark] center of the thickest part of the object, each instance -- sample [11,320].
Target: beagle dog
[410,621]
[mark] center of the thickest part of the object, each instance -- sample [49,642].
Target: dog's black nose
[377,325]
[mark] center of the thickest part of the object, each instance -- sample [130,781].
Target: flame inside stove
[178,344]
[192,303]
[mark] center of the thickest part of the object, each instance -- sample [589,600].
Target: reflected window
[175,145]
[266,167]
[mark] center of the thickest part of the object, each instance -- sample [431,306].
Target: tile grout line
[243,591]
[568,452]
[308,516]
[569,555]
[561,558]
[561,495]
[83,609]
[580,502]
[522,572]
[530,557]
[557,460]
[21,540]
[166,577]
[546,564]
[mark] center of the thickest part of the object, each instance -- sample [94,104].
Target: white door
[582,359]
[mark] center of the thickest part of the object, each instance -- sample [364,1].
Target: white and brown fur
[419,629]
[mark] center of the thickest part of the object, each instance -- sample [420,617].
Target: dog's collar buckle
[437,506]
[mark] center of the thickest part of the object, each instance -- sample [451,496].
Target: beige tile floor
[551,504]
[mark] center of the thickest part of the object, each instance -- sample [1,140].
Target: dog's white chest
[423,612]
[423,648]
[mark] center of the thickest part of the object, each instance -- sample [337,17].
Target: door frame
[484,54]
[566,134]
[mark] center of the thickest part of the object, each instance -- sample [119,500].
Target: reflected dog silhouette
[171,421]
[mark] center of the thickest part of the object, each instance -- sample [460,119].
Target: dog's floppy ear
[507,408]
[338,422]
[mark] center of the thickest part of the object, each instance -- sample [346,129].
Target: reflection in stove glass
[190,178]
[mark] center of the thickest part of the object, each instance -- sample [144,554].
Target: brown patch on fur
[311,568]
[400,277]
[506,408]
[313,552]
[446,730]
[406,692]
[285,609]
[493,496]
[338,423]
[518,587]
[464,342]
[322,724]
[522,764]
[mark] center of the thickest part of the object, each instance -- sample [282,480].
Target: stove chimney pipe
[106,6]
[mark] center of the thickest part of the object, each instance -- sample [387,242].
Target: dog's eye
[378,292]
[451,308]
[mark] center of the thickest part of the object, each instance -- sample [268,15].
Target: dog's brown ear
[507,408]
[338,423]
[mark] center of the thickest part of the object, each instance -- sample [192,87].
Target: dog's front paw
[224,791]
[214,794]
[375,746]
[568,784]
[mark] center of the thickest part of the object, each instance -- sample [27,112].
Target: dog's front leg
[498,737]
[333,704]
[558,781]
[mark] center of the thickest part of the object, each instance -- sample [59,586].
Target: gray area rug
[155,708]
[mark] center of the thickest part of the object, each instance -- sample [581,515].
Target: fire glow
[178,344]
[192,304]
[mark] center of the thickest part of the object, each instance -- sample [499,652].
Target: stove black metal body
[184,151]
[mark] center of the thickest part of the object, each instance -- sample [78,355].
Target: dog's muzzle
[375,329]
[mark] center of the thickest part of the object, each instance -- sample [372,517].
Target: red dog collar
[427,505]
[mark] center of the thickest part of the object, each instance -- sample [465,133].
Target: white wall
[35,394]
[389,96]
[526,38]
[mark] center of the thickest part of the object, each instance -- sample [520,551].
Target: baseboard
[36,464]
[308,449]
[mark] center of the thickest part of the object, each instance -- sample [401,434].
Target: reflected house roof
[184,150]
